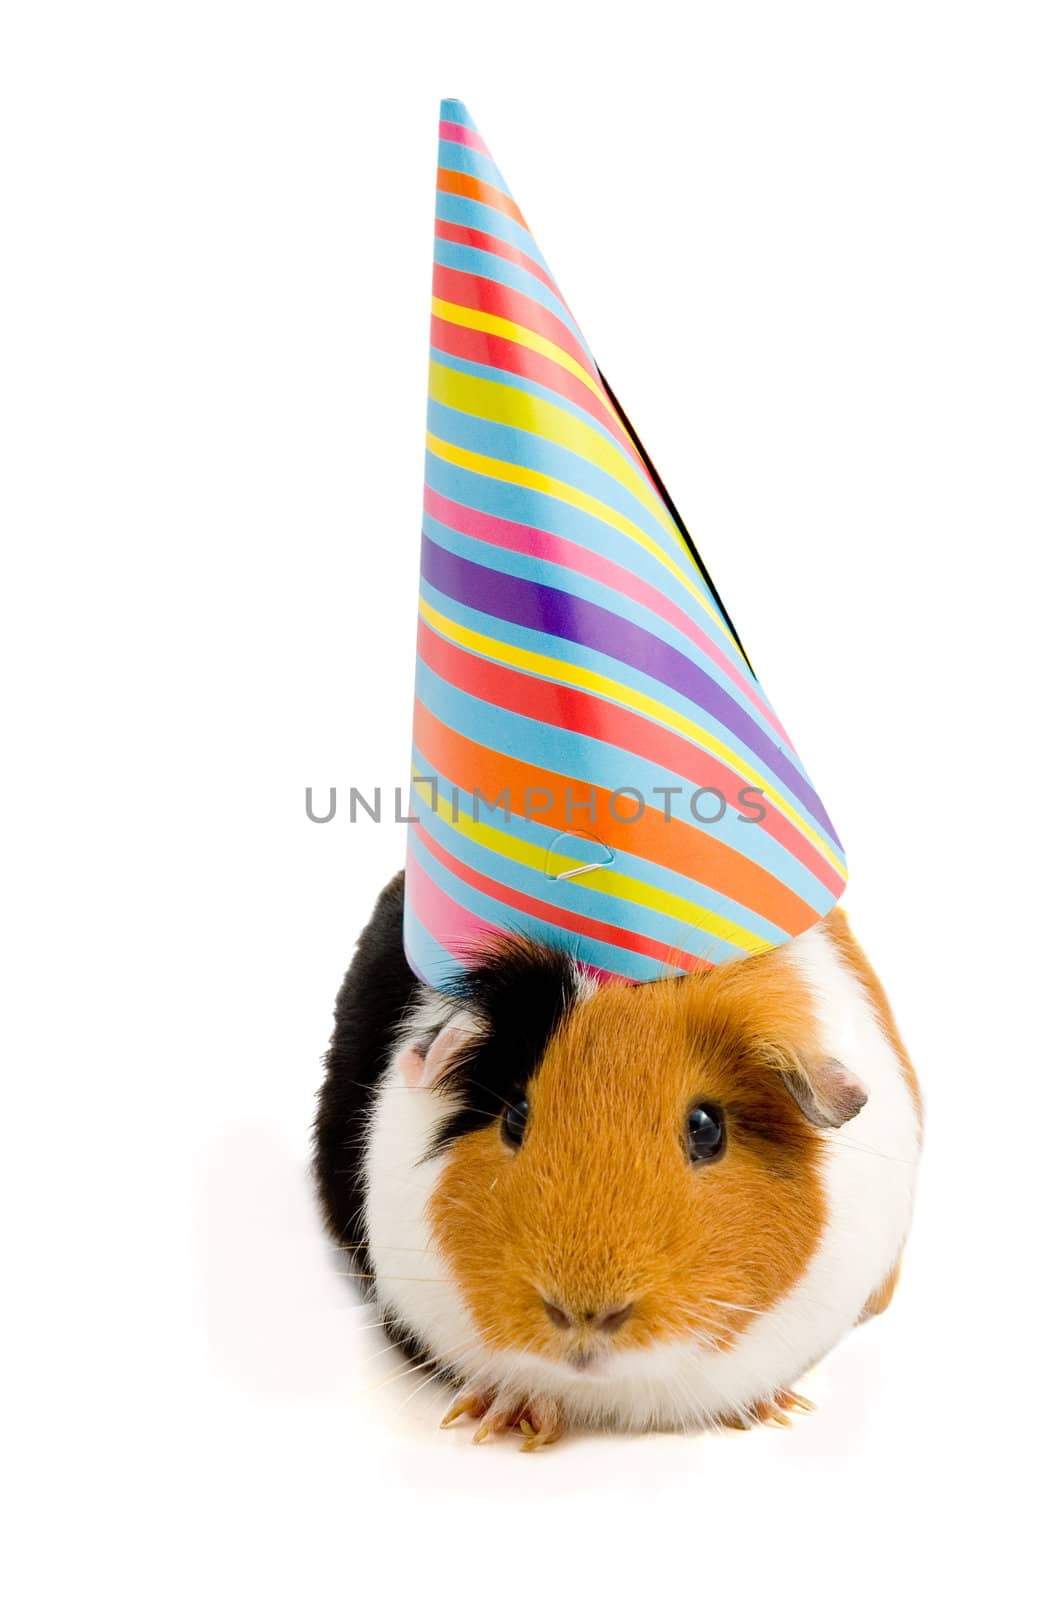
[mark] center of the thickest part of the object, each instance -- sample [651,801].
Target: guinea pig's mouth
[588,1363]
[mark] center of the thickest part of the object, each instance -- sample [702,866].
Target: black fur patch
[521,992]
[375,995]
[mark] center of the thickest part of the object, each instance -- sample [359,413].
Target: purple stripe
[545,610]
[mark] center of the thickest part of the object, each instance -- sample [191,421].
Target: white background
[817,249]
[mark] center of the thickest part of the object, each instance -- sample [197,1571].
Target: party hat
[595,764]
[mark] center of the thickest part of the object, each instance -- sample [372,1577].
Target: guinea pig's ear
[421,1065]
[825,1091]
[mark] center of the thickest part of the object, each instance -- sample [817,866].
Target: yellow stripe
[487,322]
[623,695]
[604,881]
[516,408]
[488,467]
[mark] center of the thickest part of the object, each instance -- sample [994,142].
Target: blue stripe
[452,110]
[427,957]
[454,157]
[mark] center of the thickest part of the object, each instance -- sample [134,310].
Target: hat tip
[454,111]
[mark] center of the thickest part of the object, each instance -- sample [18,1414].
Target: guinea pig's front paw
[773,1411]
[539,1421]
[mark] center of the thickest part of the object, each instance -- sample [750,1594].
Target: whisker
[389,1277]
[733,1305]
[405,1371]
[869,1150]
[366,1243]
[482,1088]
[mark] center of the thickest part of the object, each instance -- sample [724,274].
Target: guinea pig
[612,1205]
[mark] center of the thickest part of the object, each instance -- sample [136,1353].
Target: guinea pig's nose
[608,1321]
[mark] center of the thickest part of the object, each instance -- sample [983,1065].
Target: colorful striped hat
[595,765]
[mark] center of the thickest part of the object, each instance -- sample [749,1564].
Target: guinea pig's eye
[705,1133]
[514,1122]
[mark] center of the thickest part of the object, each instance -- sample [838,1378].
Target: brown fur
[601,1207]
[880,1300]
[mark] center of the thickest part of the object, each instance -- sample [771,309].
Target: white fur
[868,1175]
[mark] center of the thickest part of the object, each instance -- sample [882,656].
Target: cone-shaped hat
[595,765]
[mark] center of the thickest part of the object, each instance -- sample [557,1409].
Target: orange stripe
[464,183]
[672,843]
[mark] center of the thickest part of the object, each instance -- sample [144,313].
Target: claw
[794,1402]
[735,1421]
[539,1422]
[772,1413]
[494,1422]
[543,1426]
[467,1405]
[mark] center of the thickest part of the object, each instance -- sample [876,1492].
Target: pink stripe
[567,555]
[463,935]
[456,134]
[457,930]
